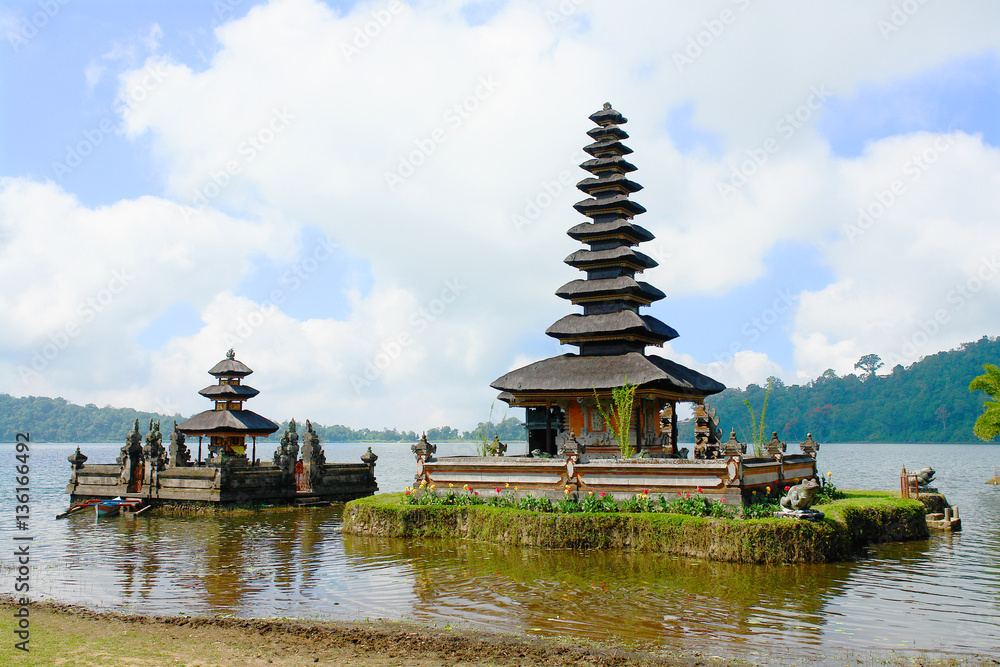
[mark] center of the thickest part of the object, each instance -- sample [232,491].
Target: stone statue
[313,458]
[154,451]
[496,448]
[925,476]
[287,453]
[180,457]
[801,496]
[131,455]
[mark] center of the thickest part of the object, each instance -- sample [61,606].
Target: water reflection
[612,595]
[941,594]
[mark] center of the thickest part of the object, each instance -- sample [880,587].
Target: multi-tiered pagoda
[611,334]
[228,424]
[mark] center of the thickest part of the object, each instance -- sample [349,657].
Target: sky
[368,200]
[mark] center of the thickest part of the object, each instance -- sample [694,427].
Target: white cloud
[286,128]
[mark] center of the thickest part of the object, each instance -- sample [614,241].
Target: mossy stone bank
[850,524]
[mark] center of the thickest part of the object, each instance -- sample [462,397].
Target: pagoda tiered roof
[226,419]
[611,334]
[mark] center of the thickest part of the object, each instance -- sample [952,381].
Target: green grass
[859,519]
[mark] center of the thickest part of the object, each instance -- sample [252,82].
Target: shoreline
[74,635]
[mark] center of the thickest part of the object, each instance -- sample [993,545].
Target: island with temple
[220,472]
[602,466]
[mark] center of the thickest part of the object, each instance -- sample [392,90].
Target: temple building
[611,334]
[228,425]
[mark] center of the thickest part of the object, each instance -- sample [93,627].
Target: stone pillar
[313,458]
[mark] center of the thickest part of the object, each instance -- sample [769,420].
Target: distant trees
[57,420]
[987,426]
[929,401]
[868,365]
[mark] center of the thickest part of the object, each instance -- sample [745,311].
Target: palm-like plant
[987,426]
[622,400]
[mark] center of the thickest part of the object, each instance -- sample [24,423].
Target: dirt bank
[72,636]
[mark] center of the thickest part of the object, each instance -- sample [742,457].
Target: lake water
[940,595]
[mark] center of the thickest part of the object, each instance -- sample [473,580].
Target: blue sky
[769,263]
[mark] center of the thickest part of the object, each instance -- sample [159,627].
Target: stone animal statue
[801,496]
[925,476]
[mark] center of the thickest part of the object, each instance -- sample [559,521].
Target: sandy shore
[67,635]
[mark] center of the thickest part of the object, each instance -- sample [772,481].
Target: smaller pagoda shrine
[228,425]
[227,476]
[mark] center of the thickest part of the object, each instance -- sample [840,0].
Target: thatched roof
[602,131]
[230,368]
[219,422]
[573,373]
[592,207]
[607,145]
[622,323]
[622,286]
[240,392]
[613,163]
[620,182]
[622,228]
[608,116]
[623,256]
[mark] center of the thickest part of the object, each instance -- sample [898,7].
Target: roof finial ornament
[607,105]
[231,354]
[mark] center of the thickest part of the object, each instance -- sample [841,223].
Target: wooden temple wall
[730,479]
[231,485]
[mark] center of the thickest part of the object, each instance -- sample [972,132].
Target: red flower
[475,493]
[787,487]
[602,494]
[679,494]
[645,492]
[688,495]
[498,489]
[699,489]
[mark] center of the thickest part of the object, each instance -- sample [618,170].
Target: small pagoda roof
[609,146]
[609,205]
[613,163]
[620,287]
[620,256]
[621,324]
[608,116]
[240,392]
[231,422]
[597,133]
[572,373]
[621,228]
[610,183]
[230,367]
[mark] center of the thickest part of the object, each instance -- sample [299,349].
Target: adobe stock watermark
[453,118]
[703,40]
[563,12]
[786,127]
[363,35]
[546,194]
[247,151]
[958,297]
[86,312]
[28,28]
[289,282]
[899,16]
[758,325]
[883,199]
[154,73]
[418,322]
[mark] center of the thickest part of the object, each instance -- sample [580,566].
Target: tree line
[928,401]
[58,420]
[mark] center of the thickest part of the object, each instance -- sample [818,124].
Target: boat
[114,506]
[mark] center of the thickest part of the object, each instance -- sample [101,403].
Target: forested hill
[57,420]
[929,401]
